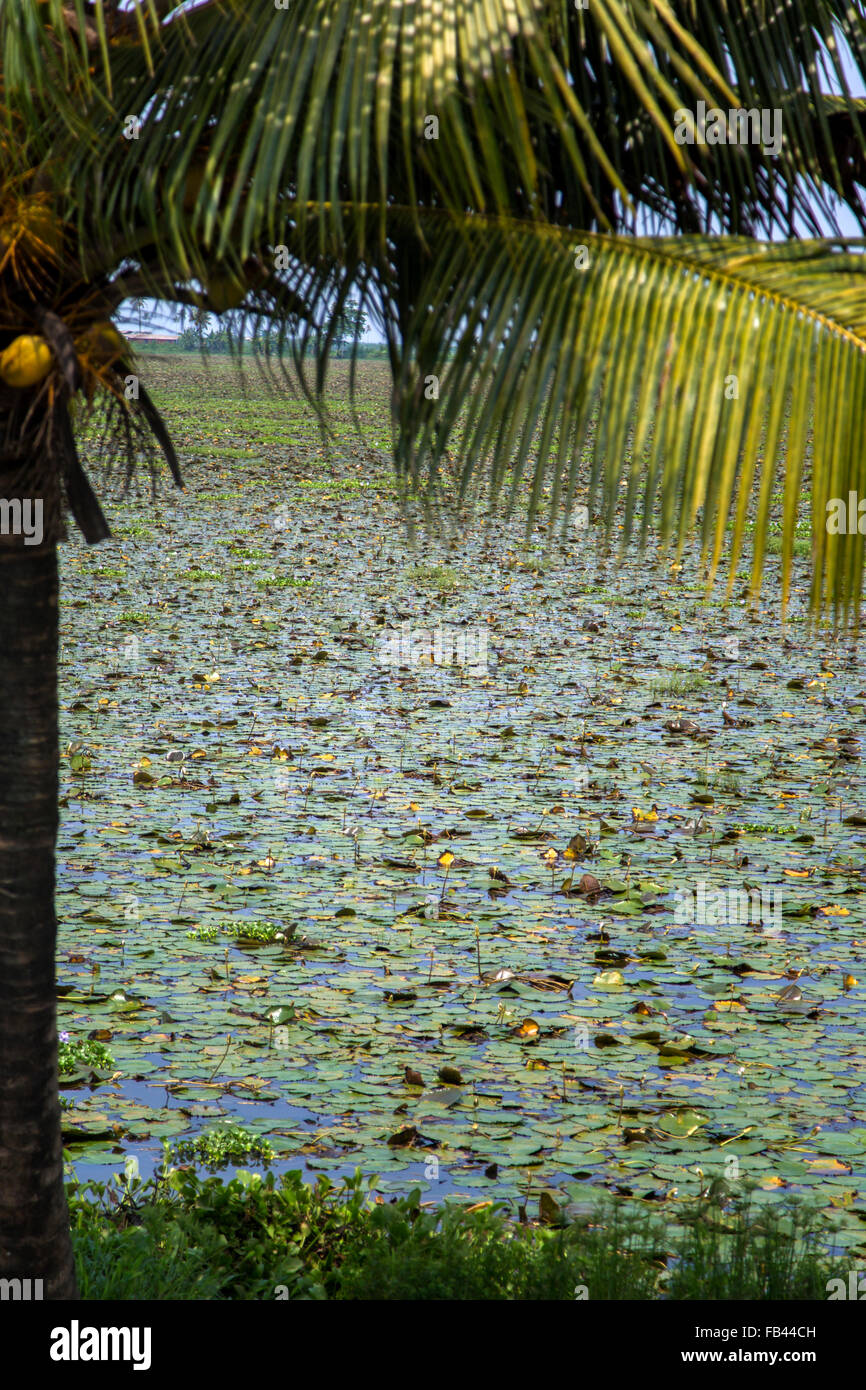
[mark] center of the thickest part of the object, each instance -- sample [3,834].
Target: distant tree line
[199,334]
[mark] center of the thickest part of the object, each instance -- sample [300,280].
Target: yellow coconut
[26,361]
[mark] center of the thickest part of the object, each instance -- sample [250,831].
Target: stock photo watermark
[846,518]
[77,1343]
[853,1291]
[441,646]
[737,126]
[21,1290]
[22,517]
[704,906]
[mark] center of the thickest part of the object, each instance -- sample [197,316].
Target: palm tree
[138,304]
[510,195]
[351,326]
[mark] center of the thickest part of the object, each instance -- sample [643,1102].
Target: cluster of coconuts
[28,359]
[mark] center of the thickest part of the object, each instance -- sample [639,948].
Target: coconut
[26,361]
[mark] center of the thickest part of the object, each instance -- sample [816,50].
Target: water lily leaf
[609,979]
[681,1122]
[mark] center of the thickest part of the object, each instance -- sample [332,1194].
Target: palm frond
[59,55]
[543,110]
[538,109]
[306,129]
[701,386]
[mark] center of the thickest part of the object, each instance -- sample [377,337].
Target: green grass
[676,684]
[135,529]
[802,546]
[285,581]
[441,577]
[185,1237]
[727,784]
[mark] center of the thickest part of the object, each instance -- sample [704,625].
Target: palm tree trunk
[34,1220]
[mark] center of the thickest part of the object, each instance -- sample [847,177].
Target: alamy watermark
[442,646]
[22,518]
[738,126]
[854,1290]
[20,1290]
[846,518]
[704,906]
[77,1343]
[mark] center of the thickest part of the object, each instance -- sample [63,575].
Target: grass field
[495,866]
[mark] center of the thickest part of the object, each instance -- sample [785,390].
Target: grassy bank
[183,1237]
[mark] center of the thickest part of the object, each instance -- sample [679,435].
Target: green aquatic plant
[218,1147]
[87,1053]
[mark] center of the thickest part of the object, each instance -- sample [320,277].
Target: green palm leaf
[542,109]
[688,379]
[307,129]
